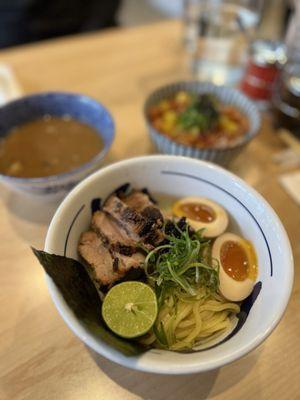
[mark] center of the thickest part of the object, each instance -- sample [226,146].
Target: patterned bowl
[80,107]
[226,95]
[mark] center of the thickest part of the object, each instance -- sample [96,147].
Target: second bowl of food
[168,264]
[201,120]
[51,141]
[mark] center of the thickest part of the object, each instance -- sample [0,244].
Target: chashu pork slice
[141,226]
[105,266]
[142,203]
[112,233]
[126,216]
[137,200]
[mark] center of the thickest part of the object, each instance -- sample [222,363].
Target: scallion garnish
[183,264]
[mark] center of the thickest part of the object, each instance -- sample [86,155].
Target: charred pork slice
[105,266]
[141,203]
[137,200]
[98,258]
[126,216]
[112,234]
[138,216]
[125,263]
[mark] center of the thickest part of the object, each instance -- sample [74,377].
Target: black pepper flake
[115,264]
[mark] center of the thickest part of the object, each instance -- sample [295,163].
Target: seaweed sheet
[82,297]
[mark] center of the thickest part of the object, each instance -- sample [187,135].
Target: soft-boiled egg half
[237,266]
[202,213]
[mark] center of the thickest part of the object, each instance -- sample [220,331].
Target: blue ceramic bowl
[222,156]
[77,106]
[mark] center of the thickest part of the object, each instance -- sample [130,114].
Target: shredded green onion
[183,265]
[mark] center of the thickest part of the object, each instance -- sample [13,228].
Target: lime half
[130,309]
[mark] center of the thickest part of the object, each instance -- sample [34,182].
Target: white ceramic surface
[250,214]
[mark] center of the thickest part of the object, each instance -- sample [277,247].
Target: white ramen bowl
[250,215]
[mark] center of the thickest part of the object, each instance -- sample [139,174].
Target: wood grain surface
[40,358]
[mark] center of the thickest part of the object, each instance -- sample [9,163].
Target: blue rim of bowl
[196,84]
[81,168]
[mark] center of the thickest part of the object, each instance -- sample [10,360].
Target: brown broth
[48,146]
[198,212]
[234,260]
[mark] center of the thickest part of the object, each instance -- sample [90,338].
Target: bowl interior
[250,215]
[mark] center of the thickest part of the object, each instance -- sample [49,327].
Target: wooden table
[40,357]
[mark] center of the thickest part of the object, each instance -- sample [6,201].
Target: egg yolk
[234,260]
[197,212]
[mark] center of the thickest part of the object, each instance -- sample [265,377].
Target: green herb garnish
[183,264]
[202,114]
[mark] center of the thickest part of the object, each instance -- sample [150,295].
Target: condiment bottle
[266,58]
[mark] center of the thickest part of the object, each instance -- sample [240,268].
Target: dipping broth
[48,146]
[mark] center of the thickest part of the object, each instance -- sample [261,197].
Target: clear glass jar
[217,34]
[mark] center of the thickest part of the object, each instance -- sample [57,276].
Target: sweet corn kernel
[163,105]
[227,124]
[182,97]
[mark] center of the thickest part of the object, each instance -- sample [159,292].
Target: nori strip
[81,295]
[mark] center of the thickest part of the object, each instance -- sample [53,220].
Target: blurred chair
[24,21]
